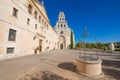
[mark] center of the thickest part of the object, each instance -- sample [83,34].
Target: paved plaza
[56,65]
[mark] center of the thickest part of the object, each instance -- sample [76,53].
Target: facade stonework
[24,26]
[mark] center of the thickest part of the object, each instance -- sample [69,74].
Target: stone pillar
[112,48]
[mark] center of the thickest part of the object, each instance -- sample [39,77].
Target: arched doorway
[62,42]
[61,46]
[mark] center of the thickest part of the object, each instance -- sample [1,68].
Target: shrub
[117,49]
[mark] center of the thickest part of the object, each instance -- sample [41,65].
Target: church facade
[25,28]
[63,31]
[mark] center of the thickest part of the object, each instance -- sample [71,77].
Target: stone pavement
[61,63]
[12,69]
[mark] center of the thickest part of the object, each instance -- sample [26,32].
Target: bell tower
[61,25]
[61,17]
[63,31]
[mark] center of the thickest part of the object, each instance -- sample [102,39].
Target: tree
[88,45]
[101,46]
[93,45]
[71,40]
[79,45]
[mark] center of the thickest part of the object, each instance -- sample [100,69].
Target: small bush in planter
[48,47]
[37,49]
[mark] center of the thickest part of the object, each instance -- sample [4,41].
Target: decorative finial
[42,2]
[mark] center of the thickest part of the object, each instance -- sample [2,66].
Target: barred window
[10,50]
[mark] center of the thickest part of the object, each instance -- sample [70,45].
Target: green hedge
[117,49]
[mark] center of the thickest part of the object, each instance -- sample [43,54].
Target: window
[39,18]
[62,18]
[35,14]
[64,25]
[30,9]
[15,12]
[35,26]
[47,27]
[61,25]
[10,50]
[28,21]
[12,35]
[42,21]
[44,31]
[45,24]
[46,41]
[61,32]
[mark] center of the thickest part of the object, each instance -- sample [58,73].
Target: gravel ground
[56,65]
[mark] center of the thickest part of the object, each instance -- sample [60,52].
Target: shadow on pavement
[68,66]
[113,73]
[111,63]
[47,75]
[117,57]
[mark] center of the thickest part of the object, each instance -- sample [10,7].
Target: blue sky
[101,17]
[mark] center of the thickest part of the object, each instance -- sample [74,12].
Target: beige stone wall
[25,34]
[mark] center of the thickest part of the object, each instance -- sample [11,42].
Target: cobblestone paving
[55,65]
